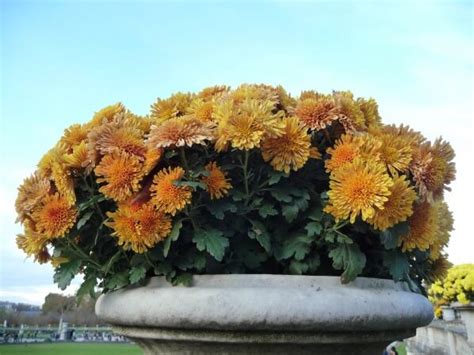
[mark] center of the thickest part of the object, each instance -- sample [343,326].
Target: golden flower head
[73,136]
[216,181]
[33,189]
[423,228]
[370,110]
[289,151]
[166,196]
[31,243]
[54,217]
[445,223]
[106,114]
[439,268]
[121,173]
[433,168]
[350,108]
[172,107]
[180,132]
[211,92]
[201,110]
[316,111]
[79,157]
[139,227]
[358,188]
[152,158]
[398,207]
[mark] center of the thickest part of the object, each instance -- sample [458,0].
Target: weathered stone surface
[259,314]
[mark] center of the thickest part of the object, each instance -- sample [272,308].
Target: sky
[63,60]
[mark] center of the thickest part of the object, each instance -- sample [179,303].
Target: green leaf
[136,274]
[297,246]
[302,202]
[397,264]
[90,202]
[212,241]
[191,259]
[219,207]
[281,195]
[313,228]
[83,220]
[260,233]
[238,195]
[275,177]
[349,258]
[106,268]
[66,272]
[267,210]
[316,214]
[289,212]
[87,287]
[118,280]
[184,279]
[391,236]
[174,234]
[298,267]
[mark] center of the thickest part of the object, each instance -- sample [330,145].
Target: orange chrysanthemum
[445,226]
[398,207]
[121,173]
[166,196]
[316,112]
[357,189]
[433,168]
[172,107]
[371,112]
[73,136]
[139,227]
[423,228]
[348,107]
[395,150]
[107,114]
[289,151]
[30,242]
[30,193]
[54,217]
[201,110]
[152,158]
[180,132]
[79,157]
[216,182]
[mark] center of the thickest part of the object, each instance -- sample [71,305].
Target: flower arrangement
[249,180]
[457,286]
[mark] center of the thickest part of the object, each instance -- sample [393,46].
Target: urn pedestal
[265,314]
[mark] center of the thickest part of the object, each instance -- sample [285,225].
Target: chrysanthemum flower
[348,147]
[398,207]
[180,132]
[107,114]
[371,112]
[30,242]
[433,168]
[423,228]
[395,150]
[79,157]
[316,113]
[139,227]
[357,189]
[257,92]
[211,92]
[289,151]
[121,173]
[54,217]
[172,107]
[152,158]
[201,110]
[30,193]
[439,268]
[217,184]
[73,136]
[445,226]
[347,106]
[166,196]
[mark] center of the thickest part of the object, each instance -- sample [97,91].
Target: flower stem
[244,167]
[184,160]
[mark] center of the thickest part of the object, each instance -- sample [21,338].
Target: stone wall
[440,338]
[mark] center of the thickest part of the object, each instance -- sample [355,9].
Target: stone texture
[260,314]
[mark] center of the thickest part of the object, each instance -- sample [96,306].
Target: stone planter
[466,312]
[448,313]
[265,314]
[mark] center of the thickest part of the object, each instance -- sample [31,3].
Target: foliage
[249,180]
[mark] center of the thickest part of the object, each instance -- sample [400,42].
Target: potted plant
[294,225]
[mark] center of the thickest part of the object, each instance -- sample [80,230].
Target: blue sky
[63,60]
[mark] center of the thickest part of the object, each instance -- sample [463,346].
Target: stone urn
[265,314]
[448,313]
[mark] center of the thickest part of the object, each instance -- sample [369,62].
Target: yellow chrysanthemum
[172,107]
[244,126]
[216,181]
[121,173]
[107,114]
[79,157]
[348,107]
[166,196]
[423,228]
[348,147]
[371,112]
[398,207]
[289,151]
[395,150]
[439,268]
[30,193]
[357,189]
[201,110]
[180,132]
[317,112]
[73,136]
[445,226]
[31,243]
[433,168]
[211,92]
[152,158]
[258,92]
[54,217]
[139,227]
